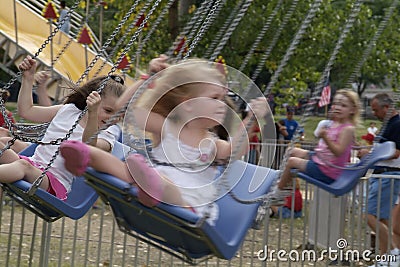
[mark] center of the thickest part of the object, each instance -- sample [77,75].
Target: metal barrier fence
[328,229]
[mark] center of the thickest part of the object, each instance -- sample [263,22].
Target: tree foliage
[305,67]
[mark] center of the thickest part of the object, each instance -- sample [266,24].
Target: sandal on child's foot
[148,180]
[76,155]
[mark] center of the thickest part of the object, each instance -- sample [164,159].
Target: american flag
[325,96]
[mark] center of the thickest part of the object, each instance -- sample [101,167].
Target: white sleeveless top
[196,184]
[58,127]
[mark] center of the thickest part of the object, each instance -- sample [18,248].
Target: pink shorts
[55,187]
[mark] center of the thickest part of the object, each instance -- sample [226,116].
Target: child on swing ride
[101,107]
[333,151]
[185,102]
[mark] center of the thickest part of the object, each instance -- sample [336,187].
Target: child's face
[107,109]
[209,105]
[342,108]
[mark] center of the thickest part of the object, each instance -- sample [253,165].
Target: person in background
[286,209]
[280,135]
[368,138]
[66,26]
[383,192]
[281,131]
[255,147]
[290,123]
[372,129]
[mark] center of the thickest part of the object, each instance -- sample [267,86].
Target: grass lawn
[311,123]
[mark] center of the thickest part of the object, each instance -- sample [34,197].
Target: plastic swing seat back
[179,231]
[350,176]
[80,199]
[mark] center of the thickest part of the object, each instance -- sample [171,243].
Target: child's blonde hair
[355,100]
[178,83]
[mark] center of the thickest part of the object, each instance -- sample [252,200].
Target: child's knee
[292,162]
[24,165]
[3,141]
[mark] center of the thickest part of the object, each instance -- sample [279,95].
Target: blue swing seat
[80,199]
[350,176]
[179,231]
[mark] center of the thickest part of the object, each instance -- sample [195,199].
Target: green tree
[305,67]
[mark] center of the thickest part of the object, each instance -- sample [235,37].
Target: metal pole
[15,23]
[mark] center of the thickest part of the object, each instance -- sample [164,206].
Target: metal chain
[58,141]
[70,39]
[261,35]
[223,180]
[203,10]
[372,43]
[11,126]
[306,23]
[325,75]
[274,41]
[155,25]
[230,30]
[357,70]
[122,110]
[127,32]
[222,30]
[216,8]
[60,53]
[7,120]
[193,23]
[108,42]
[311,14]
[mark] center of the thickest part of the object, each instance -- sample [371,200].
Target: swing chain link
[233,24]
[202,11]
[216,8]
[274,41]
[382,25]
[70,38]
[118,114]
[127,32]
[193,23]
[222,30]
[260,36]
[293,45]
[58,141]
[325,75]
[154,26]
[10,125]
[311,13]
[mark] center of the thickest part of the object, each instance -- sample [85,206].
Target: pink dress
[326,160]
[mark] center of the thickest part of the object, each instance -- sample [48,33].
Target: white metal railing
[95,240]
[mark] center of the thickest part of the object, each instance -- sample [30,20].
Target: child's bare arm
[346,138]
[26,109]
[259,108]
[41,79]
[92,125]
